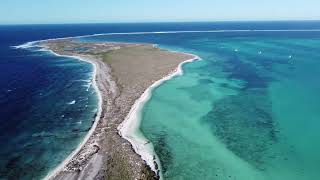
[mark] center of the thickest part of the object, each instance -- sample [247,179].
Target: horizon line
[159,22]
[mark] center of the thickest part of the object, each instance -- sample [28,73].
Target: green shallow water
[250,109]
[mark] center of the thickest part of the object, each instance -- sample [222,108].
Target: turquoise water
[250,109]
[48,102]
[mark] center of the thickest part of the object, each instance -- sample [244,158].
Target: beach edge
[123,131]
[129,129]
[55,171]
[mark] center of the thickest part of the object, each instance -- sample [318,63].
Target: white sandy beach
[130,128]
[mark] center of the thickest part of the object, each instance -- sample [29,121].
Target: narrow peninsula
[123,71]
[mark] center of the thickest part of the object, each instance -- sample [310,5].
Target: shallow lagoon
[248,110]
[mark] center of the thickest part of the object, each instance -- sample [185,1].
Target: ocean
[249,109]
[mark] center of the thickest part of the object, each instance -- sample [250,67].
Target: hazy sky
[77,11]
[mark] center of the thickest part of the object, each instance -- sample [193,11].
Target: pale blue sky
[86,11]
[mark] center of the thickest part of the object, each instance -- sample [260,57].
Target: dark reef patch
[244,124]
[238,69]
[16,169]
[162,150]
[205,81]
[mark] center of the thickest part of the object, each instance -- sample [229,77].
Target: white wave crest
[72,102]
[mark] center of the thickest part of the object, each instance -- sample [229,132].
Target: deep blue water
[39,124]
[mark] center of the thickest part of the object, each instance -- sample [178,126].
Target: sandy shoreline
[59,168]
[120,98]
[130,127]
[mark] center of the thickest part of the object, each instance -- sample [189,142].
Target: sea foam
[72,102]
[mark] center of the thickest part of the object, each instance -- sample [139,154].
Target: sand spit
[122,74]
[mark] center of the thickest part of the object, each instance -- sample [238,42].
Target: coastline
[52,174]
[55,172]
[130,128]
[91,143]
[195,103]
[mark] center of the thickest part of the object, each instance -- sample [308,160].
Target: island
[123,71]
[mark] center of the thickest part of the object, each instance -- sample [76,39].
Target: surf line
[32,43]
